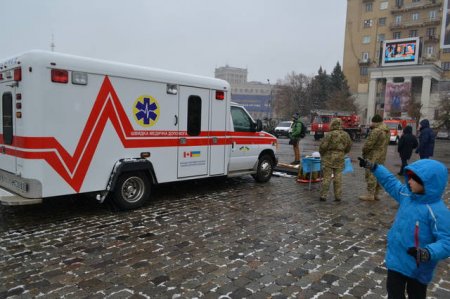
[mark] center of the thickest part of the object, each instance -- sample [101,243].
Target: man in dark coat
[406,144]
[426,140]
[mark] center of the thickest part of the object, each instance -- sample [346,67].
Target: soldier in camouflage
[333,148]
[375,150]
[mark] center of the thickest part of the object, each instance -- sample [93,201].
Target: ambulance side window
[194,118]
[7,118]
[241,120]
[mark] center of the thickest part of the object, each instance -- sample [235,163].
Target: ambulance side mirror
[259,125]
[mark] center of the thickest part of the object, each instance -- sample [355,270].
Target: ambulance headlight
[79,78]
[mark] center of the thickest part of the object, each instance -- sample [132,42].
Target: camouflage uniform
[332,150]
[375,150]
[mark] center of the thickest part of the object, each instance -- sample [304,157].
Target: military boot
[367,197]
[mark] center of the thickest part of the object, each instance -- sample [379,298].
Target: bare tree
[414,111]
[443,120]
[290,95]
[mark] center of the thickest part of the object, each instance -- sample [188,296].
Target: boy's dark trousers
[397,283]
[404,164]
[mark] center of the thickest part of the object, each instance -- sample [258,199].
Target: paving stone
[227,237]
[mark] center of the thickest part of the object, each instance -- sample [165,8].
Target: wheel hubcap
[133,189]
[265,168]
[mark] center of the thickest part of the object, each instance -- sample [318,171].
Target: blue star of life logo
[146,111]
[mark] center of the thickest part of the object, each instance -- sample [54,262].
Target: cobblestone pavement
[218,238]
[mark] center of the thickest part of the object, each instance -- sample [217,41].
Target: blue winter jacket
[428,209]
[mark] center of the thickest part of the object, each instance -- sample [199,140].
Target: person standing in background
[375,150]
[405,147]
[426,140]
[294,137]
[333,148]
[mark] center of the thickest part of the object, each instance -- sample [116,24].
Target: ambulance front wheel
[132,190]
[264,169]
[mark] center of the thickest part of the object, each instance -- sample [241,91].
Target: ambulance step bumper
[15,200]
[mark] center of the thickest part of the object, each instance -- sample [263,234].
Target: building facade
[256,97]
[396,54]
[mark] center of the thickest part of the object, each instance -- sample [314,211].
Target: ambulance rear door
[8,159]
[193,128]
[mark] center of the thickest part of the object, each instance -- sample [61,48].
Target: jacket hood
[434,176]
[336,124]
[407,130]
[424,123]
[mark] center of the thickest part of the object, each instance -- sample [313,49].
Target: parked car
[442,135]
[282,129]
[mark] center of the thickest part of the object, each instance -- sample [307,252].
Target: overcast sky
[270,38]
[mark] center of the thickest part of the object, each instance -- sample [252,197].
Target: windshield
[284,124]
[392,126]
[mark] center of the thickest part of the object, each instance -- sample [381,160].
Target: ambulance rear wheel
[132,190]
[264,169]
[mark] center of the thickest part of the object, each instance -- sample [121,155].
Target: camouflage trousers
[373,187]
[337,181]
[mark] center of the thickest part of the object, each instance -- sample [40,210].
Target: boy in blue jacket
[420,235]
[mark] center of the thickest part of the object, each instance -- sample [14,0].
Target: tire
[264,169]
[317,136]
[132,190]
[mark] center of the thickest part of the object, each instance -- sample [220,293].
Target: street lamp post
[269,112]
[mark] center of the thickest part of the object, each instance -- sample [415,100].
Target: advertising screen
[400,51]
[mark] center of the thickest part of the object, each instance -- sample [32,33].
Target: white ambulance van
[72,125]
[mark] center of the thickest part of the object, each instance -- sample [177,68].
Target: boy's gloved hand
[420,254]
[366,164]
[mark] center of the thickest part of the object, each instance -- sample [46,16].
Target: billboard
[397,98]
[400,51]
[445,31]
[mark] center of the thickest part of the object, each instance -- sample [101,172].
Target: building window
[431,31]
[382,21]
[412,33]
[365,57]
[366,39]
[396,35]
[381,37]
[415,17]
[432,14]
[398,20]
[384,5]
[415,0]
[430,52]
[446,50]
[363,71]
[446,66]
[367,23]
[399,3]
[369,6]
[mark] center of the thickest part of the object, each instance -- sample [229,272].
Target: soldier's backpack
[303,130]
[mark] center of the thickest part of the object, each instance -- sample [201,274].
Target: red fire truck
[396,126]
[321,120]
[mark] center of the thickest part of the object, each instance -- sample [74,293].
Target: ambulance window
[241,120]
[194,119]
[7,116]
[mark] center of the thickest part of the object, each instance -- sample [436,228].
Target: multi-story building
[256,97]
[397,52]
